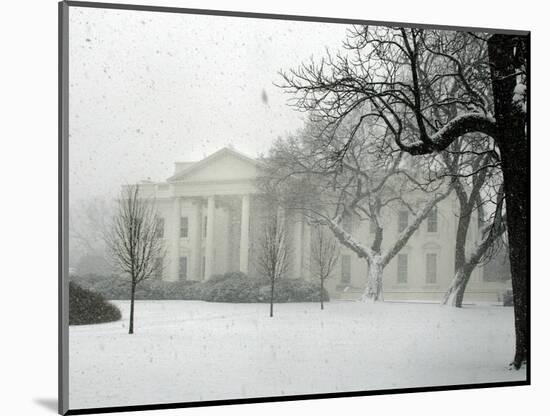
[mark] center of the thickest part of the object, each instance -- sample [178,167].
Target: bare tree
[473,162]
[272,255]
[478,188]
[325,252]
[491,232]
[87,223]
[87,226]
[485,76]
[361,186]
[134,240]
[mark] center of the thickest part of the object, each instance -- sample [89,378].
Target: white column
[299,226]
[245,228]
[175,237]
[209,251]
[307,251]
[282,227]
[197,241]
[281,218]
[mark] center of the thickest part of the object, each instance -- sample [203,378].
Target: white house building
[212,211]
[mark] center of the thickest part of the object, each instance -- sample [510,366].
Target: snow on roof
[188,167]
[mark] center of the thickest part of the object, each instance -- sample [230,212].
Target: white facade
[212,213]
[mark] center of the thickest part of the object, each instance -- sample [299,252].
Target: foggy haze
[176,87]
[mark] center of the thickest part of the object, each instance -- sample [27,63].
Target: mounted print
[264,207]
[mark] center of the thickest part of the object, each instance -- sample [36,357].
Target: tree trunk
[518,241]
[458,284]
[452,297]
[132,298]
[271,298]
[373,290]
[455,294]
[505,53]
[462,289]
[321,297]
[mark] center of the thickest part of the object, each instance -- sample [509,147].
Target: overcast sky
[148,89]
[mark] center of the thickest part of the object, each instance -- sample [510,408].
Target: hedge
[87,307]
[234,287]
[115,288]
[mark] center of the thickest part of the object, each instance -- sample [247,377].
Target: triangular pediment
[225,164]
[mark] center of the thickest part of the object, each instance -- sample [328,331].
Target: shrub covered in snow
[180,290]
[237,287]
[231,289]
[115,288]
[109,286]
[297,290]
[87,307]
[228,287]
[225,276]
[508,298]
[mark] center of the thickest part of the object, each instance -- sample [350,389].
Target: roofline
[206,160]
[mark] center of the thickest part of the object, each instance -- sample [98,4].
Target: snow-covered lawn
[190,350]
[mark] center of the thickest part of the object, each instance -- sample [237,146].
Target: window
[431,268]
[346,269]
[402,268]
[157,268]
[403,220]
[203,266]
[184,227]
[346,221]
[480,221]
[432,220]
[183,268]
[488,275]
[372,227]
[205,226]
[159,232]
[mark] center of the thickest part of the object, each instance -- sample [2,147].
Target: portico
[202,248]
[207,210]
